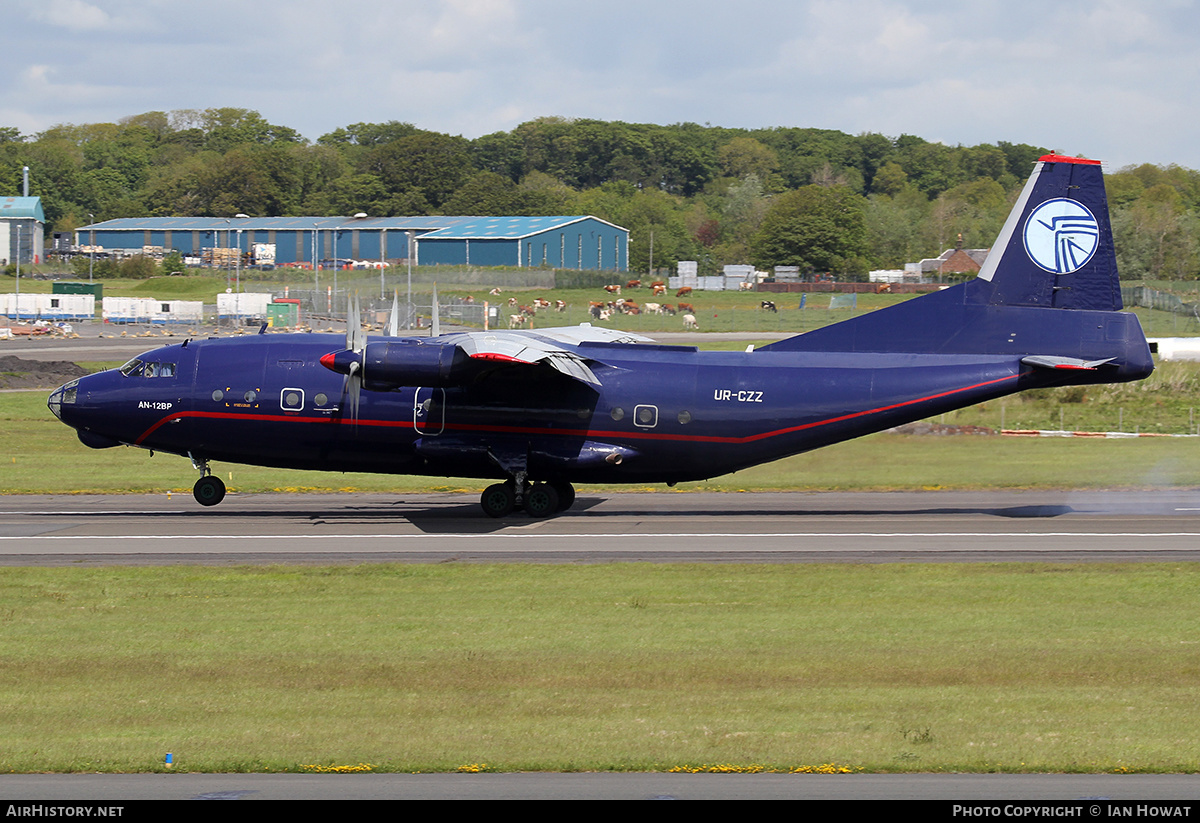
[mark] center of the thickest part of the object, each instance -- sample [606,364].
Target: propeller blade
[356,338]
[437,326]
[394,318]
[356,342]
[354,387]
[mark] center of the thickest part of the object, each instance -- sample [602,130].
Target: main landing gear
[538,499]
[209,490]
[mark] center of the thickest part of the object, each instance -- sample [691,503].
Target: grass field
[973,667]
[981,668]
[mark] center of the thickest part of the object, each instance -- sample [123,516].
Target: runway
[1067,526]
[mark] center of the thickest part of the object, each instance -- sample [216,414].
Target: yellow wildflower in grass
[313,767]
[729,768]
[473,768]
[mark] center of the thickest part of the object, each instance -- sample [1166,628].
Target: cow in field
[613,289]
[684,292]
[769,305]
[689,321]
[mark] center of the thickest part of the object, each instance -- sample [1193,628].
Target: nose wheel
[209,490]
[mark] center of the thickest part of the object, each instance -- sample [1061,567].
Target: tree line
[815,198]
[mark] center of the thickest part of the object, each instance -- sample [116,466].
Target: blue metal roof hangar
[564,242]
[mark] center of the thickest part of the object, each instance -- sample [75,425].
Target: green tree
[435,164]
[1156,237]
[818,228]
[172,263]
[744,156]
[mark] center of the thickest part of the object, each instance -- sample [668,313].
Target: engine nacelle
[388,365]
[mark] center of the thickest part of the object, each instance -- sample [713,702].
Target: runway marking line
[584,536]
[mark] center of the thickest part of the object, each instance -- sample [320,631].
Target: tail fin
[1056,248]
[1051,268]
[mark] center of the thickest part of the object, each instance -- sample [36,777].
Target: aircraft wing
[446,360]
[540,347]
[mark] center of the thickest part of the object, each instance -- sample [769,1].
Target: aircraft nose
[65,394]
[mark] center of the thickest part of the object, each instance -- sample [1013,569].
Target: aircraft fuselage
[662,413]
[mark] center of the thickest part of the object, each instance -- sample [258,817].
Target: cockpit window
[140,368]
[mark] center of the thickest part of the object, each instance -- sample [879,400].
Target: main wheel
[209,490]
[566,494]
[498,500]
[541,500]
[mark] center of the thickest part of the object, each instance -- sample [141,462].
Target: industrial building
[578,242]
[22,230]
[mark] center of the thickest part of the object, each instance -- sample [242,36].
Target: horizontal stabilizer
[1044,361]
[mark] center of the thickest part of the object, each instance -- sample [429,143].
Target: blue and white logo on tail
[1056,248]
[1061,235]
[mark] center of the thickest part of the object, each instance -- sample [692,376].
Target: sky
[1116,81]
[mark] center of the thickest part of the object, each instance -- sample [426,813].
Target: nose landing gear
[209,490]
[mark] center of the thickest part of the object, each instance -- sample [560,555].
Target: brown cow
[684,292]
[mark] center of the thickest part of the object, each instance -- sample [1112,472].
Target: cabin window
[218,395]
[617,413]
[685,417]
[645,416]
[292,399]
[321,398]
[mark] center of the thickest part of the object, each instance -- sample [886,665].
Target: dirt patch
[925,427]
[16,373]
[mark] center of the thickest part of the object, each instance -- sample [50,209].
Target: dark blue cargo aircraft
[540,410]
